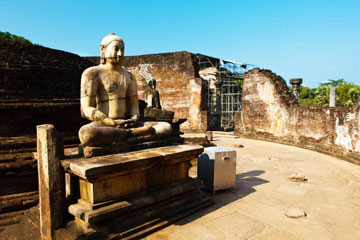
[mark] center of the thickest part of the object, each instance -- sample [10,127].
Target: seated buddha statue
[151,95]
[109,99]
[154,109]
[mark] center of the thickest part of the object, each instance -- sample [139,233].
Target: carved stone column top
[295,81]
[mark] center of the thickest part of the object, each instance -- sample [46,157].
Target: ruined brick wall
[178,83]
[20,118]
[35,72]
[270,112]
[38,85]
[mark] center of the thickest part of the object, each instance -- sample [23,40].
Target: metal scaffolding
[230,100]
[229,89]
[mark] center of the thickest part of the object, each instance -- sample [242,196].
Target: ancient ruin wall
[38,85]
[270,112]
[36,72]
[177,82]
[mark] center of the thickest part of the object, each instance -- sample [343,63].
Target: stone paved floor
[255,208]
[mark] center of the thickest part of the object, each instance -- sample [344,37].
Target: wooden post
[51,180]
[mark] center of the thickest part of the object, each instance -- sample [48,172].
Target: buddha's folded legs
[97,134]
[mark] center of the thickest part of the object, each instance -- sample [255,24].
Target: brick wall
[38,85]
[35,72]
[270,112]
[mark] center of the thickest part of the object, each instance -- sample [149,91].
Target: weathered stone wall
[35,72]
[38,85]
[178,83]
[270,112]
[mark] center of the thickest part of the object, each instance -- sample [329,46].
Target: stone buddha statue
[151,95]
[154,109]
[109,100]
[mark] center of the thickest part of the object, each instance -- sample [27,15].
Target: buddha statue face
[112,49]
[152,83]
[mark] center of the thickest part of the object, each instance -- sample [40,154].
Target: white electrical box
[217,168]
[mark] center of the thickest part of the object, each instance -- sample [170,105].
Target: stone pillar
[295,83]
[51,180]
[332,97]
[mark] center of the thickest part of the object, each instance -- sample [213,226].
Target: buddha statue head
[152,83]
[112,49]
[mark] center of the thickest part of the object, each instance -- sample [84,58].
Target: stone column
[332,97]
[295,83]
[51,180]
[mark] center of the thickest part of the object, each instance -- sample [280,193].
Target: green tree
[322,94]
[346,94]
[306,96]
[6,36]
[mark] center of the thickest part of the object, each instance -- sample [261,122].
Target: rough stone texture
[295,213]
[120,186]
[51,180]
[20,119]
[35,72]
[177,81]
[38,85]
[270,112]
[297,178]
[102,165]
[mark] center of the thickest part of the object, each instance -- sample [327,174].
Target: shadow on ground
[245,183]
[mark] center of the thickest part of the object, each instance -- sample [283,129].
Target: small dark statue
[151,95]
[153,111]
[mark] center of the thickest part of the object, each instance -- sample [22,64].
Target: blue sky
[315,40]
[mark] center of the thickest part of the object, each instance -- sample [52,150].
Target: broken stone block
[295,213]
[298,178]
[239,145]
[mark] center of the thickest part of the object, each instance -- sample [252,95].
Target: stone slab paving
[256,207]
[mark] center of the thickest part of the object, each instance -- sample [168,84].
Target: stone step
[82,211]
[159,218]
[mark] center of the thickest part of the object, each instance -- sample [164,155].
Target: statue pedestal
[121,192]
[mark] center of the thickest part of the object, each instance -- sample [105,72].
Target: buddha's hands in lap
[109,122]
[119,122]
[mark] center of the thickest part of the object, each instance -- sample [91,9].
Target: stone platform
[122,192]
